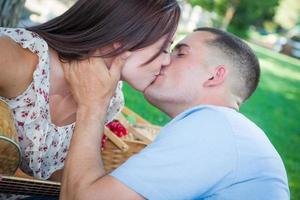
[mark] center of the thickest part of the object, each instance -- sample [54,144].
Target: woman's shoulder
[17,65]
[10,53]
[8,48]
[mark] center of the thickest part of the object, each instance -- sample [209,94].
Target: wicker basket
[113,156]
[118,150]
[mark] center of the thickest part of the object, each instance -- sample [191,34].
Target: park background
[271,27]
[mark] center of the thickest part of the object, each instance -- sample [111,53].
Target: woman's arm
[84,176]
[16,66]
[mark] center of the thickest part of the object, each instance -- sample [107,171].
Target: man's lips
[161,73]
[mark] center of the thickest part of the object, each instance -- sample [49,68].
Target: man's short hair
[242,58]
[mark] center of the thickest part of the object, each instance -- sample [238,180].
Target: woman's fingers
[117,65]
[91,82]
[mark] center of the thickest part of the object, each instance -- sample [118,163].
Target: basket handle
[132,130]
[116,140]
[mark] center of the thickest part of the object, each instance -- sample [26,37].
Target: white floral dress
[44,145]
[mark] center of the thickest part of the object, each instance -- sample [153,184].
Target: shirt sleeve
[190,158]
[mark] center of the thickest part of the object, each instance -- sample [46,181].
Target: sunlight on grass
[280,71]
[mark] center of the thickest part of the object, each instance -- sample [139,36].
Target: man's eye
[180,54]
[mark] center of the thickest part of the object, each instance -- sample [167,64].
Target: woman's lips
[161,74]
[157,75]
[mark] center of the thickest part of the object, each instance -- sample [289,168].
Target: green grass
[275,107]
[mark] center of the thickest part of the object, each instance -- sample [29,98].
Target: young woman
[32,80]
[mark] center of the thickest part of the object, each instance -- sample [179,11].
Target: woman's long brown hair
[93,24]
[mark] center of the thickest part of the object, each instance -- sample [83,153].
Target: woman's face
[140,75]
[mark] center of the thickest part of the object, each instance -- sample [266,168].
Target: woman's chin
[137,87]
[141,87]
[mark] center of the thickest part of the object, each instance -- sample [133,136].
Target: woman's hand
[92,83]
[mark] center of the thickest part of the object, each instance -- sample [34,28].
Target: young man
[208,151]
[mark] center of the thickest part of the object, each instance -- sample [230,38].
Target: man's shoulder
[202,122]
[216,116]
[205,114]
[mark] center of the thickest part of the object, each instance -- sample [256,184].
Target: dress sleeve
[116,104]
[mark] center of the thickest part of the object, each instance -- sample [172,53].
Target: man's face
[182,80]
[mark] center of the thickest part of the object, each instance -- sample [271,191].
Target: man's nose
[166,59]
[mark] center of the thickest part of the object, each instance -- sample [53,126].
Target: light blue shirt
[207,152]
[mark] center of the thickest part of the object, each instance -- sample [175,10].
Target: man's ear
[217,78]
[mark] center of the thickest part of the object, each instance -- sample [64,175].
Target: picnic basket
[118,150]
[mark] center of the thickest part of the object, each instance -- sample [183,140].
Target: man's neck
[175,109]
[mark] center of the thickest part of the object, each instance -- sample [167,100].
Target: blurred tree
[10,12]
[240,14]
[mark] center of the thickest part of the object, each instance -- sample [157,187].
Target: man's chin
[147,90]
[152,92]
[149,95]
[155,97]
[151,88]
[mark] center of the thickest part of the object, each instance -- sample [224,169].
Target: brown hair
[242,57]
[92,24]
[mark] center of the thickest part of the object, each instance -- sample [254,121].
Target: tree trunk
[10,12]
[230,12]
[228,17]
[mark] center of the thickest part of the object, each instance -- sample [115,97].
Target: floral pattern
[44,145]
